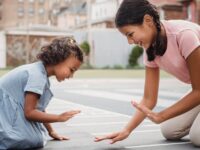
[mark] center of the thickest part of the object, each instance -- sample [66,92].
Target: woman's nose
[130,41]
[71,75]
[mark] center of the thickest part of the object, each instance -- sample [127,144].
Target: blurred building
[16,13]
[25,26]
[191,10]
[102,12]
[179,9]
[23,12]
[72,15]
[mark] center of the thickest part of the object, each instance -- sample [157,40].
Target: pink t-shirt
[183,38]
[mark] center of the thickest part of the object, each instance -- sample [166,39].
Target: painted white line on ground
[107,123]
[103,94]
[100,80]
[136,131]
[161,93]
[156,145]
[55,101]
[117,96]
[100,116]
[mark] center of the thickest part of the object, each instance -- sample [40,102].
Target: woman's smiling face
[142,35]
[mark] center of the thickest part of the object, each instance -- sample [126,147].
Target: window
[41,1]
[189,13]
[31,1]
[67,1]
[105,11]
[97,14]
[20,12]
[20,1]
[41,11]
[57,1]
[55,11]
[31,11]
[0,15]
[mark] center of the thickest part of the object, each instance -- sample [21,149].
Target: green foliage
[118,67]
[134,55]
[85,47]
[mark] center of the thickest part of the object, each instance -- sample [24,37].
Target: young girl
[173,46]
[25,93]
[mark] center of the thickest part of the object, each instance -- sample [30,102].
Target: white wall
[103,9]
[2,50]
[110,47]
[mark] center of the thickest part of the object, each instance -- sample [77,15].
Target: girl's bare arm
[33,114]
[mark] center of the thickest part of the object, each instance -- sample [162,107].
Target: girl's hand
[67,115]
[114,137]
[155,117]
[55,136]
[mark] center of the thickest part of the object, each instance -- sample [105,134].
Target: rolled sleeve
[188,41]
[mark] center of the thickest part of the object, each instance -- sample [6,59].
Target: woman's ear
[148,20]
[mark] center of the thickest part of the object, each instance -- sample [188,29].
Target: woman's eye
[72,70]
[130,35]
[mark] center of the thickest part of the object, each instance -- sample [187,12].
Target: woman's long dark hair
[132,12]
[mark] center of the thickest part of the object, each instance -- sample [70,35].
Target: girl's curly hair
[59,50]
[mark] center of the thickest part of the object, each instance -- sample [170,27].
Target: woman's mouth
[139,43]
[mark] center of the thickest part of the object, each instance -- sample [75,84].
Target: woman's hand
[155,117]
[55,136]
[67,115]
[114,137]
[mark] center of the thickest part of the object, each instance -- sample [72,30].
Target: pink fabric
[182,39]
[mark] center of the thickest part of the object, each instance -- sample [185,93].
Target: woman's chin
[59,80]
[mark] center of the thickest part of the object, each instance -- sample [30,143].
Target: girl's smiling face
[142,35]
[66,69]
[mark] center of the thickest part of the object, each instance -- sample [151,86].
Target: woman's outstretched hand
[114,137]
[67,115]
[155,117]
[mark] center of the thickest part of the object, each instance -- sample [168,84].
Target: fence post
[3,50]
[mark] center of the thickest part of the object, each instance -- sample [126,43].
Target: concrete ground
[106,108]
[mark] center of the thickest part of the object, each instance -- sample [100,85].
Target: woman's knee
[167,132]
[172,133]
[195,131]
[195,136]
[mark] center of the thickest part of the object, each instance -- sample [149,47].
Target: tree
[134,55]
[86,50]
[85,47]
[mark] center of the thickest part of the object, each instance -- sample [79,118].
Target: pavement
[105,108]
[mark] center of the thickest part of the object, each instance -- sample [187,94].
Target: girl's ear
[148,20]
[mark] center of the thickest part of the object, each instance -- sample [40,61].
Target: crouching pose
[173,46]
[25,93]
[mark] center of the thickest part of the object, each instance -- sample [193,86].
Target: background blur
[26,25]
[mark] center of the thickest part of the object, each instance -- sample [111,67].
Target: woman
[173,46]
